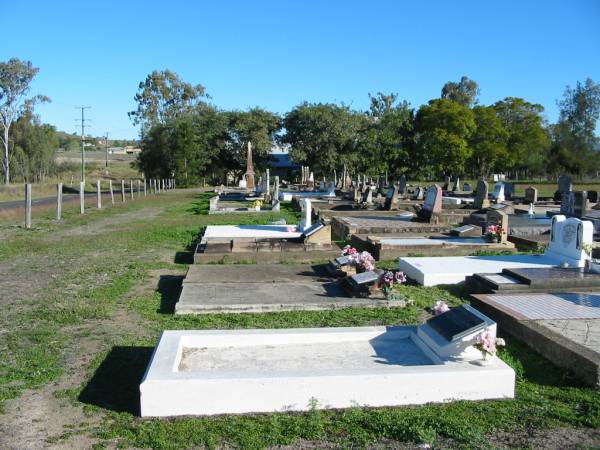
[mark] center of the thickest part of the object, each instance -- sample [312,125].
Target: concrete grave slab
[241,371]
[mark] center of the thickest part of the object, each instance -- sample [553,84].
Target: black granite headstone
[456,323]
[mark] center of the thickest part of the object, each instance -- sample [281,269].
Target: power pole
[106,147]
[83,120]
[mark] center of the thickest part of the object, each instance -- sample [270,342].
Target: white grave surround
[457,200]
[566,247]
[286,196]
[195,372]
[262,231]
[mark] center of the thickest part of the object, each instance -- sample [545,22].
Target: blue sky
[276,54]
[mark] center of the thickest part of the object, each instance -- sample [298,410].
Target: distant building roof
[282,161]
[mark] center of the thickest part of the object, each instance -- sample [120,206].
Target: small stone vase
[486,360]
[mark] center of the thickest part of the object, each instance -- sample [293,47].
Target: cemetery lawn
[85,301]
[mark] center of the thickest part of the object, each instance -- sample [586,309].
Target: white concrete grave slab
[286,196]
[262,231]
[196,372]
[566,247]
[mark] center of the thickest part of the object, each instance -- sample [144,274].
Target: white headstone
[567,239]
[306,222]
[498,193]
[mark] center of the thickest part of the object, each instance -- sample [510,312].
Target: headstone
[276,205]
[592,196]
[446,183]
[321,185]
[249,176]
[391,199]
[481,195]
[498,194]
[496,178]
[531,194]
[456,323]
[402,185]
[456,186]
[500,218]
[311,180]
[432,205]
[567,239]
[467,187]
[451,186]
[467,231]
[367,197]
[419,194]
[565,183]
[268,182]
[213,203]
[276,188]
[509,190]
[574,204]
[381,184]
[356,194]
[306,206]
[330,190]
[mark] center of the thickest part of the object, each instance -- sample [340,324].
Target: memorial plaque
[342,260]
[365,277]
[467,230]
[456,323]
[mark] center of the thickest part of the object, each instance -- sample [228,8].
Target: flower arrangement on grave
[362,261]
[440,307]
[387,281]
[587,248]
[494,233]
[256,204]
[488,344]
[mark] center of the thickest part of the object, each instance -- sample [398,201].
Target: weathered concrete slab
[254,288]
[563,327]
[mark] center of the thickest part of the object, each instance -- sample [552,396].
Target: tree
[324,136]
[381,103]
[33,148]
[443,128]
[256,125]
[164,96]
[15,80]
[528,139]
[488,141]
[464,92]
[580,109]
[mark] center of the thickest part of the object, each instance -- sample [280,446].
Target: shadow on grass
[169,287]
[115,384]
[184,257]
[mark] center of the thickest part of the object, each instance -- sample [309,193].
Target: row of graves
[449,357]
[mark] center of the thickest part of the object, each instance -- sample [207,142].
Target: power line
[83,121]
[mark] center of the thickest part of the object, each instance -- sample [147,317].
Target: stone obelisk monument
[249,169]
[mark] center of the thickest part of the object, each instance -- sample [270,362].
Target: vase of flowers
[256,205]
[494,233]
[387,281]
[440,307]
[487,343]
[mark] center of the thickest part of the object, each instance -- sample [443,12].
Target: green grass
[96,273]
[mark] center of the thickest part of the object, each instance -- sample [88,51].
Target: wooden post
[131,189]
[58,201]
[123,191]
[139,189]
[98,195]
[27,205]
[145,187]
[112,194]
[81,197]
[173,183]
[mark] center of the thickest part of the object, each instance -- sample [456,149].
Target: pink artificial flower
[440,307]
[400,277]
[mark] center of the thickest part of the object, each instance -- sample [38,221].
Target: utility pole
[83,120]
[106,148]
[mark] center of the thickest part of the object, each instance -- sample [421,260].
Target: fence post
[98,195]
[123,191]
[81,197]
[58,201]
[112,194]
[131,188]
[145,187]
[27,205]
[139,189]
